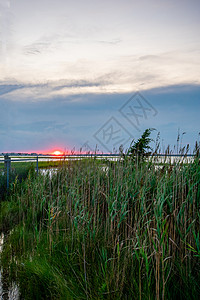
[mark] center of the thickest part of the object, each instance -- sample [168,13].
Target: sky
[96,74]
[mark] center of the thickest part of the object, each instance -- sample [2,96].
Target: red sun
[57,152]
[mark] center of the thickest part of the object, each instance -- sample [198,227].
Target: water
[49,171]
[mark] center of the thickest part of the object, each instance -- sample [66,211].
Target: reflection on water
[49,171]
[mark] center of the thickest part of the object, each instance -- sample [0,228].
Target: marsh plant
[19,171]
[131,232]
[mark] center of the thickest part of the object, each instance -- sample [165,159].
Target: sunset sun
[57,152]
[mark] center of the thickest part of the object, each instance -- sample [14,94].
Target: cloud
[111,42]
[8,88]
[71,120]
[76,84]
[43,45]
[149,57]
[32,51]
[23,91]
[42,126]
[51,43]
[62,76]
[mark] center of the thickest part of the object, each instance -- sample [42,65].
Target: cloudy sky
[86,73]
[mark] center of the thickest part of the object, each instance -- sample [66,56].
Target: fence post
[7,164]
[37,165]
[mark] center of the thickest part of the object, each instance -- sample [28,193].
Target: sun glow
[57,152]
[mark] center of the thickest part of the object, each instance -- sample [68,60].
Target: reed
[127,231]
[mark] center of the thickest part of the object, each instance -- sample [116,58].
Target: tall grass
[17,170]
[130,231]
